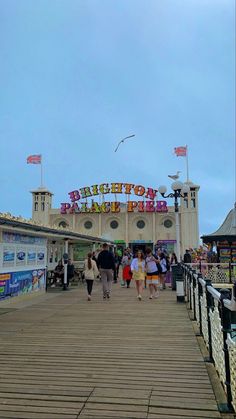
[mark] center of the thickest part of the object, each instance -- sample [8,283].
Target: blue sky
[76,76]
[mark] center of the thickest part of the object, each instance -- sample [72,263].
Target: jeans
[106,277]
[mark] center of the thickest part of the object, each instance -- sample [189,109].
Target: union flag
[34,159]
[180,151]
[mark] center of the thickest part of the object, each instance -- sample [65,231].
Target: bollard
[180,288]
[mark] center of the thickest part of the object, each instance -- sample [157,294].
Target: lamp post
[180,190]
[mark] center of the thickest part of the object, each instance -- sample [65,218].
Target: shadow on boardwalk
[64,357]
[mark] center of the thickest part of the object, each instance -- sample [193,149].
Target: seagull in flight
[175,177]
[123,140]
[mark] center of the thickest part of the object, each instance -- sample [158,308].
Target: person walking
[106,265]
[126,271]
[90,273]
[153,272]
[173,259]
[163,264]
[138,271]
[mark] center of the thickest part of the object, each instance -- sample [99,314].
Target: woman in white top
[90,273]
[138,270]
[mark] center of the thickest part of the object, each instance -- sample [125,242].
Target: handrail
[216,294]
[214,310]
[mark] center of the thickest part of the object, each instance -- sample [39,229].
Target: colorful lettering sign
[76,207]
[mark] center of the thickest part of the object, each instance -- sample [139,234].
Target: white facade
[127,228]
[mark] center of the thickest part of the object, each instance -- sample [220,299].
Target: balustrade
[214,310]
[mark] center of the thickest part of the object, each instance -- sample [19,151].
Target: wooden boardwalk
[63,357]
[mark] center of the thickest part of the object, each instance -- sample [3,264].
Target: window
[193,203]
[140,224]
[88,225]
[63,224]
[168,223]
[42,206]
[36,205]
[114,224]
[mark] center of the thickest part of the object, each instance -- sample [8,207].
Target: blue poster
[8,256]
[31,256]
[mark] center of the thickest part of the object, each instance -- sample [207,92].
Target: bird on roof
[123,140]
[175,177]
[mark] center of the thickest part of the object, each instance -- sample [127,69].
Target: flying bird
[123,140]
[175,177]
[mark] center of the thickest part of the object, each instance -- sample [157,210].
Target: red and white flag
[34,159]
[180,151]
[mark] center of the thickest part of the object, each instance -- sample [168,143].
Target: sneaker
[108,295]
[89,297]
[150,298]
[139,297]
[104,297]
[156,295]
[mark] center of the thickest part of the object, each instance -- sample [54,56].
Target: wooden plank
[64,358]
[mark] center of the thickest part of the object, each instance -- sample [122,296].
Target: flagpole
[41,166]
[187,163]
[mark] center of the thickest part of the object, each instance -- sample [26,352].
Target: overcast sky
[76,76]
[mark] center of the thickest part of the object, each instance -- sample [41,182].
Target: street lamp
[180,190]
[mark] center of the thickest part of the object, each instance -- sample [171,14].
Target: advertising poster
[8,256]
[4,285]
[26,281]
[31,256]
[20,255]
[41,256]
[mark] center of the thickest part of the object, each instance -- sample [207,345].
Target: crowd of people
[146,269]
[150,269]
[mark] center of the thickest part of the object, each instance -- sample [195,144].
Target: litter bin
[175,270]
[180,288]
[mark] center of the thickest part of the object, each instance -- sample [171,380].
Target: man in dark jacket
[187,257]
[106,265]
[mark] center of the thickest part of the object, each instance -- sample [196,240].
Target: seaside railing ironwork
[216,272]
[214,308]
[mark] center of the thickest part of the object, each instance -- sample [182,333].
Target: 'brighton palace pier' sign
[148,204]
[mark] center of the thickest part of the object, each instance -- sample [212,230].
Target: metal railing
[224,273]
[214,310]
